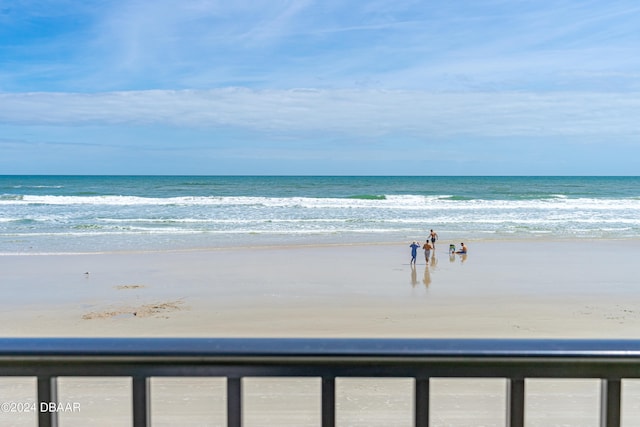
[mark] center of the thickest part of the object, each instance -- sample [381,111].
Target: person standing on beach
[433,236]
[427,250]
[414,252]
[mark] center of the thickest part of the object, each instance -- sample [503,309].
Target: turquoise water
[102,213]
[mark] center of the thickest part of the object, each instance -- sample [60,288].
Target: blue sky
[384,87]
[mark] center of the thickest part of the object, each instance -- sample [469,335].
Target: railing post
[515,402]
[141,402]
[47,393]
[234,401]
[610,400]
[328,402]
[422,402]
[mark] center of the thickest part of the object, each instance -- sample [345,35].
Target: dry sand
[517,289]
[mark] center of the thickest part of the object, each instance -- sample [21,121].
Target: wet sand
[516,289]
[502,289]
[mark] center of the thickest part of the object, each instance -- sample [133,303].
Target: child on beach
[462,250]
[414,252]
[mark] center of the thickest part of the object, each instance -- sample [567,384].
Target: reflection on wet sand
[414,276]
[452,257]
[427,276]
[426,279]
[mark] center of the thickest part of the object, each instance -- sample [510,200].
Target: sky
[326,87]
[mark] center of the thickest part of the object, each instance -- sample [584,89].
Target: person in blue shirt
[414,252]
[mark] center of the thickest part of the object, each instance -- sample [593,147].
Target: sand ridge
[159,309]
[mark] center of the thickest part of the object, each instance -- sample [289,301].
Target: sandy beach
[510,289]
[502,289]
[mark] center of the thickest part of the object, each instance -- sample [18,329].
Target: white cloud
[340,112]
[278,44]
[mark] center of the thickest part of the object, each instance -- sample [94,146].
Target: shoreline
[297,245]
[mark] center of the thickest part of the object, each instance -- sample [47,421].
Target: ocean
[79,214]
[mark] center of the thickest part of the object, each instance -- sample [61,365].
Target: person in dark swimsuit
[433,236]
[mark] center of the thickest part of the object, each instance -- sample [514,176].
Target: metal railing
[47,359]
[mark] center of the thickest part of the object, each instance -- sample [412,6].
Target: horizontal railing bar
[506,368]
[193,363]
[308,347]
